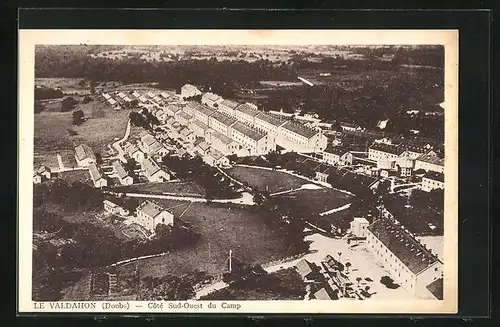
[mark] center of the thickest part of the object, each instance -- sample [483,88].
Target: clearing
[222,228]
[264,179]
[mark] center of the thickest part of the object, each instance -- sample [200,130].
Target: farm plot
[222,228]
[263,179]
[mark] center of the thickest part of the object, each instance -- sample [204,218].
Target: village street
[117,146]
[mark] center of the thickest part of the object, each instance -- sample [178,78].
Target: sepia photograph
[260,166]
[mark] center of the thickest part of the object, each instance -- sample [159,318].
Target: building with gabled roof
[228,106]
[221,122]
[214,157]
[97,176]
[383,152]
[187,135]
[337,155]
[246,113]
[172,109]
[436,288]
[153,172]
[430,162]
[44,171]
[268,123]
[221,142]
[202,113]
[183,118]
[134,152]
[304,268]
[210,99]
[253,140]
[198,128]
[297,137]
[188,91]
[150,214]
[189,107]
[432,181]
[113,208]
[409,262]
[202,147]
[352,127]
[122,174]
[84,155]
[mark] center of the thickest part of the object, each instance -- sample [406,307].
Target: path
[246,198]
[118,147]
[344,207]
[62,168]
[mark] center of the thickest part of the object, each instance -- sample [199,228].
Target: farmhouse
[97,176]
[429,162]
[228,107]
[254,141]
[210,99]
[153,172]
[150,214]
[246,113]
[84,155]
[113,208]
[123,176]
[189,90]
[37,178]
[335,155]
[322,172]
[409,262]
[432,180]
[221,122]
[134,152]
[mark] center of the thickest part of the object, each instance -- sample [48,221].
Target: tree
[347,265]
[68,104]
[86,99]
[78,117]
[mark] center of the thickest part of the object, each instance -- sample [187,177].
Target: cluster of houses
[118,100]
[42,174]
[148,214]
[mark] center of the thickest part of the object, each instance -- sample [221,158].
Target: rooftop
[436,288]
[304,267]
[201,108]
[431,159]
[83,151]
[109,203]
[388,148]
[185,131]
[203,145]
[95,172]
[199,124]
[222,118]
[248,110]
[150,166]
[248,131]
[403,245]
[221,137]
[120,171]
[434,176]
[273,120]
[215,154]
[150,209]
[184,116]
[148,139]
[300,129]
[189,86]
[229,103]
[345,124]
[131,149]
[211,96]
[173,108]
[338,150]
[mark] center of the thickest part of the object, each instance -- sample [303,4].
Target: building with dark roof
[432,180]
[150,214]
[384,152]
[409,262]
[436,288]
[337,155]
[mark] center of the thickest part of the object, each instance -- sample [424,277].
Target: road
[117,146]
[246,198]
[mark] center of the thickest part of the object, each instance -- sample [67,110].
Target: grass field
[62,82]
[317,201]
[76,176]
[222,228]
[273,181]
[182,188]
[51,129]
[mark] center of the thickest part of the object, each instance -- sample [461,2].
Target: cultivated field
[52,135]
[317,201]
[263,179]
[222,228]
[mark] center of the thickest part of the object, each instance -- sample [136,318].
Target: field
[76,176]
[222,228]
[263,179]
[317,201]
[51,128]
[181,188]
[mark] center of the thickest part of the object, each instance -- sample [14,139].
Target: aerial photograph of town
[247,172]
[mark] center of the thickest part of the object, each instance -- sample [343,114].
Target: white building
[97,176]
[183,118]
[150,214]
[429,162]
[123,176]
[189,90]
[297,137]
[254,141]
[202,113]
[359,226]
[246,113]
[385,153]
[215,158]
[113,208]
[221,142]
[134,152]
[351,127]
[432,180]
[186,135]
[409,262]
[153,172]
[198,128]
[221,122]
[228,107]
[172,109]
[210,99]
[84,155]
[335,155]
[268,123]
